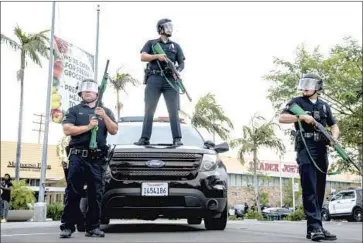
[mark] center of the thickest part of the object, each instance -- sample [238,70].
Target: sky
[229,47]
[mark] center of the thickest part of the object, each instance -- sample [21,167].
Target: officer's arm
[180,58]
[146,53]
[69,128]
[110,122]
[332,123]
[286,116]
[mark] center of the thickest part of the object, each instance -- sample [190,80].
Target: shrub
[21,196]
[296,216]
[251,214]
[54,211]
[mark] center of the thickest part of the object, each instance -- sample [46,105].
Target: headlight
[209,162]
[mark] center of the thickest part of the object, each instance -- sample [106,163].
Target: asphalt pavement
[179,231]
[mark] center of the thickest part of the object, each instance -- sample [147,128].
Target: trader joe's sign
[71,66]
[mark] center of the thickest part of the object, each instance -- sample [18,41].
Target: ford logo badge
[155,163]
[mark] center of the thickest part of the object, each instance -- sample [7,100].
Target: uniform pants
[79,172]
[313,184]
[157,85]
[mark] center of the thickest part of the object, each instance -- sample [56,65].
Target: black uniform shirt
[79,115]
[320,111]
[172,50]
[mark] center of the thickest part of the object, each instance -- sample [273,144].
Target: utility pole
[39,130]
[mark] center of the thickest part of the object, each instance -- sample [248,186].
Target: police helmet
[164,26]
[87,85]
[311,81]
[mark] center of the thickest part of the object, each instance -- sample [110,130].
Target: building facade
[241,184]
[240,178]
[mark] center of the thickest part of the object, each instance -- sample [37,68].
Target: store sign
[28,167]
[274,167]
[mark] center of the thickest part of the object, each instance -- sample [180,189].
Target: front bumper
[206,195]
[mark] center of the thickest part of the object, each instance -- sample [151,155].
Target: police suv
[161,180]
[346,204]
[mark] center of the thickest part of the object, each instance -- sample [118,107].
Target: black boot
[81,228]
[328,235]
[66,233]
[316,235]
[177,142]
[142,141]
[95,232]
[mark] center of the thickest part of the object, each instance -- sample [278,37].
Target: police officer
[157,85]
[86,164]
[313,181]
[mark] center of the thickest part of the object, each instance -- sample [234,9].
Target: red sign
[274,167]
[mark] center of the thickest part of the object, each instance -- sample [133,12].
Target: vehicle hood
[163,149]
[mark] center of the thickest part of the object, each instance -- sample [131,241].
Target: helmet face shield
[168,28]
[88,85]
[308,84]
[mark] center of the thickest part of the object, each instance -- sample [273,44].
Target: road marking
[28,234]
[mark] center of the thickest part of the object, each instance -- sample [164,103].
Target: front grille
[132,166]
[136,201]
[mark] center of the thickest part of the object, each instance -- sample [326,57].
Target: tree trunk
[20,122]
[118,105]
[257,195]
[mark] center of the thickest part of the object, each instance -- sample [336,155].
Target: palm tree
[62,155]
[119,82]
[31,46]
[259,134]
[211,116]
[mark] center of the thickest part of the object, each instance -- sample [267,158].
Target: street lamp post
[280,182]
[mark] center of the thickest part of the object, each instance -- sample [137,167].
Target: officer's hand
[308,119]
[100,112]
[162,57]
[93,123]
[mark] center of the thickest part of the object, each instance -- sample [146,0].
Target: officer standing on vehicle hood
[313,181]
[157,85]
[86,164]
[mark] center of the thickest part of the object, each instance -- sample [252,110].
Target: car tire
[325,215]
[357,215]
[194,220]
[216,223]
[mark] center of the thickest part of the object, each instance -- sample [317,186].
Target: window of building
[244,180]
[238,180]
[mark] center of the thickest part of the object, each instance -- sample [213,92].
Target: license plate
[154,189]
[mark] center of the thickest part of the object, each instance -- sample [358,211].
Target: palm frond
[12,43]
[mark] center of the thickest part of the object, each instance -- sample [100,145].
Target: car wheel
[325,215]
[194,220]
[216,223]
[357,215]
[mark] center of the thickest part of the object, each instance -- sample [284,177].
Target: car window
[349,195]
[129,133]
[337,196]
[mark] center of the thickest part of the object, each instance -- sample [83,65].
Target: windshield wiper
[168,145]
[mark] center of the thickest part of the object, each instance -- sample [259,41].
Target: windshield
[128,133]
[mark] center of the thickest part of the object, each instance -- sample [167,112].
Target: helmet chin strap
[311,94]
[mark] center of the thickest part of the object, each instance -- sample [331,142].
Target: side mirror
[209,144]
[221,148]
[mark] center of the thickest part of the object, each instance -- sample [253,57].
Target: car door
[335,200]
[347,202]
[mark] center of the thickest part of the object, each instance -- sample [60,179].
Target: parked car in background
[276,213]
[238,210]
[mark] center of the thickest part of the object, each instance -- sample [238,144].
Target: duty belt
[315,135]
[82,152]
[95,154]
[154,71]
